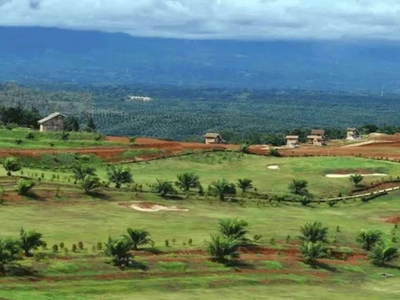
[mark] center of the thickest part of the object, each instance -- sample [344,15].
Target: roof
[352,129]
[317,132]
[212,135]
[52,116]
[292,137]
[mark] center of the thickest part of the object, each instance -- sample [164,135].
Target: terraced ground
[177,267]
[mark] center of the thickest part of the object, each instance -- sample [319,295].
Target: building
[317,137]
[53,122]
[352,134]
[292,141]
[213,138]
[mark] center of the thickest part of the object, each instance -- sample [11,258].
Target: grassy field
[233,166]
[182,270]
[18,139]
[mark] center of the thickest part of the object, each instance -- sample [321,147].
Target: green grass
[91,220]
[48,140]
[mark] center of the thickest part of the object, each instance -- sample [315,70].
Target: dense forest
[176,113]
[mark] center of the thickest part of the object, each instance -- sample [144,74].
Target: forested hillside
[186,114]
[37,55]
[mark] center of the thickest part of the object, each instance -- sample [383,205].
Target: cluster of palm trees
[11,249]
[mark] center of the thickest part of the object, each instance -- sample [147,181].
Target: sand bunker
[274,167]
[348,175]
[153,207]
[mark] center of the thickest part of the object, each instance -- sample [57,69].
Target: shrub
[223,249]
[74,248]
[24,187]
[30,136]
[9,252]
[55,248]
[381,254]
[11,164]
[18,141]
[368,239]
[314,232]
[80,245]
[298,187]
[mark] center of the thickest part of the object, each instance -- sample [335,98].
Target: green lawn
[233,166]
[17,139]
[75,217]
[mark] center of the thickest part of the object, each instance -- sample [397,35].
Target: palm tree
[9,250]
[11,164]
[187,181]
[24,187]
[30,240]
[138,237]
[119,175]
[312,251]
[221,188]
[118,250]
[274,152]
[298,187]
[382,254]
[90,183]
[368,239]
[223,249]
[314,232]
[234,229]
[80,171]
[245,184]
[163,187]
[356,179]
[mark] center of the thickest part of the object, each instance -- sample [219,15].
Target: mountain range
[32,55]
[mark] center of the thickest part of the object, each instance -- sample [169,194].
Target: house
[53,122]
[317,137]
[213,138]
[352,134]
[292,141]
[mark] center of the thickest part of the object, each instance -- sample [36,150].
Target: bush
[30,136]
[25,186]
[381,254]
[368,239]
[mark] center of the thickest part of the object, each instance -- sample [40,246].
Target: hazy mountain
[30,55]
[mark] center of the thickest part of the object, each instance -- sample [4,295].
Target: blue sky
[215,19]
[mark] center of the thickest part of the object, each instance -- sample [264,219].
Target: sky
[215,19]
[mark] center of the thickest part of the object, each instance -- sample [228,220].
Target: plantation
[76,226]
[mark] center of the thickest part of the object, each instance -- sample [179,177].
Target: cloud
[214,19]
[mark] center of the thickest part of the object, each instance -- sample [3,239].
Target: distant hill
[32,55]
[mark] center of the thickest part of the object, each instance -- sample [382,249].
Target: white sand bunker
[348,175]
[152,207]
[274,167]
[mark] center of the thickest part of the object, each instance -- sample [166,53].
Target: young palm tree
[11,164]
[234,229]
[80,171]
[9,250]
[368,239]
[221,188]
[356,179]
[314,232]
[90,183]
[223,249]
[24,187]
[382,254]
[245,184]
[187,181]
[163,187]
[119,175]
[298,187]
[138,237]
[30,240]
[118,250]
[312,251]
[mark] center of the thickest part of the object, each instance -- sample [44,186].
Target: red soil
[392,220]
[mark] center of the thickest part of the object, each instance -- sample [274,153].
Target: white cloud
[238,19]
